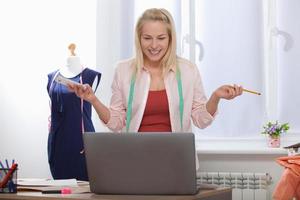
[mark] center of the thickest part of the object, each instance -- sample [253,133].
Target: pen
[8,175]
[51,192]
[7,165]
[250,91]
[2,166]
[62,191]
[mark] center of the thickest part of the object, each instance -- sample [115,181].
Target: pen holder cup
[11,184]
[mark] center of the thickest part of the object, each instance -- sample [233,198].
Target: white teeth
[154,52]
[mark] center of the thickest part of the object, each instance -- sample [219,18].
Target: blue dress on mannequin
[68,112]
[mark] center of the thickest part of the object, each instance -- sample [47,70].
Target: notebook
[141,163]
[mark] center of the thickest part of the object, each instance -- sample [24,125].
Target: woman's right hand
[86,92]
[83,91]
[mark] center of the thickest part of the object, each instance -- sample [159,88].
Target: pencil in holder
[8,180]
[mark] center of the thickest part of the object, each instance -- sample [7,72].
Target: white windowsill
[260,151]
[253,145]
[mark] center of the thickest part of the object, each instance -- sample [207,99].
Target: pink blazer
[193,95]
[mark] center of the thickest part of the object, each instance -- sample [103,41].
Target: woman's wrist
[102,111]
[93,100]
[215,98]
[212,103]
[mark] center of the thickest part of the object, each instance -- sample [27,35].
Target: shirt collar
[172,68]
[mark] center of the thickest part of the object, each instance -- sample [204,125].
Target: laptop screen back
[143,163]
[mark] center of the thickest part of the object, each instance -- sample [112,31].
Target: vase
[274,142]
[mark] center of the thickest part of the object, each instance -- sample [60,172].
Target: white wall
[34,38]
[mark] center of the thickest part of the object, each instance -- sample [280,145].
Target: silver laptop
[143,163]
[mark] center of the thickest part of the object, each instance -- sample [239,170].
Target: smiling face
[154,41]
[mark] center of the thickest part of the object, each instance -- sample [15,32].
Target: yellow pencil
[250,91]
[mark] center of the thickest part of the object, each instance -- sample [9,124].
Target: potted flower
[273,131]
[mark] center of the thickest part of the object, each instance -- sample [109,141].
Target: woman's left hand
[228,92]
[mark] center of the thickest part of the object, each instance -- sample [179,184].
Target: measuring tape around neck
[131,92]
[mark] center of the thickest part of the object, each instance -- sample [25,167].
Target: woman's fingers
[70,86]
[236,90]
[78,89]
[231,91]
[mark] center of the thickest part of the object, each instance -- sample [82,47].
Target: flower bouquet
[273,131]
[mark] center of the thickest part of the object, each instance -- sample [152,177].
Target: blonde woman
[157,91]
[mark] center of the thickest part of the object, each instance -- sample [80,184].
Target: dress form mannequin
[70,118]
[73,66]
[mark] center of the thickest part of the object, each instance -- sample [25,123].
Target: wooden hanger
[72,48]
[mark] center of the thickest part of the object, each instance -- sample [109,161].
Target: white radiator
[245,186]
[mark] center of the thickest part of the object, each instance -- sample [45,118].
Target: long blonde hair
[162,15]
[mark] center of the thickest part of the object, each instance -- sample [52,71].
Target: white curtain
[231,35]
[288,58]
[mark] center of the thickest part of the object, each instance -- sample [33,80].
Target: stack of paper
[77,187]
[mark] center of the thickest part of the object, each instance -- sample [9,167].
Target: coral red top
[156,115]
